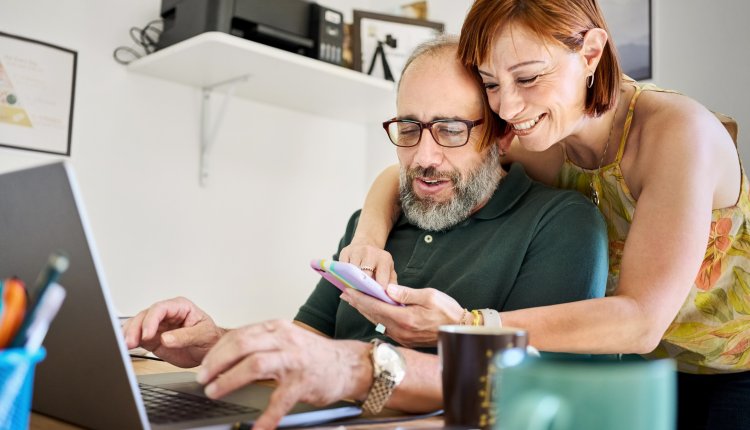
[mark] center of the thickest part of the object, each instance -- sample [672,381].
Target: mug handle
[537,410]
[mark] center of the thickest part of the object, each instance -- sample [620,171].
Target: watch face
[388,359]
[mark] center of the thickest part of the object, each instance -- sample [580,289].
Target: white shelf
[274,76]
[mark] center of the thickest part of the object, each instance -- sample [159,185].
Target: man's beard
[469,191]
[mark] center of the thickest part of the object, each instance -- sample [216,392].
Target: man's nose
[429,153]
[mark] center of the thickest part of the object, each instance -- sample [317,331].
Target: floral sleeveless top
[711,333]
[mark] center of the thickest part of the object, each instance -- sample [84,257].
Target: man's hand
[306,366]
[175,330]
[365,257]
[413,325]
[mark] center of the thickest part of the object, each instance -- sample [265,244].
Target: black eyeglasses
[450,133]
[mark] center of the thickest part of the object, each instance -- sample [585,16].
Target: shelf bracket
[209,129]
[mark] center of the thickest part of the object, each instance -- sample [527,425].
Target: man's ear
[594,43]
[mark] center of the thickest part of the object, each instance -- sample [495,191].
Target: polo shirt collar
[510,189]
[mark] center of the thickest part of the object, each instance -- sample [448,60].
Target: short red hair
[563,21]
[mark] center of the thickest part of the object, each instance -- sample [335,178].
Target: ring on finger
[367,268]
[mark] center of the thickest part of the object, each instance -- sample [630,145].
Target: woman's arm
[380,211]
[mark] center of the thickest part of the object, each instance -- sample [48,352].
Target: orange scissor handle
[13,310]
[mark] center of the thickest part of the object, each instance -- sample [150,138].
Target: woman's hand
[415,324]
[372,260]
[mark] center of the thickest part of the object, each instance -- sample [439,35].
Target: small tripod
[380,51]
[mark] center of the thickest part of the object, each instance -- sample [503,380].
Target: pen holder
[16,383]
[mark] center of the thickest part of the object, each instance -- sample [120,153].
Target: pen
[57,263]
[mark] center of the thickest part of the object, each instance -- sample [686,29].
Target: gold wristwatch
[388,370]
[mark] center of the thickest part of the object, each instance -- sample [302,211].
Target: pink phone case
[346,275]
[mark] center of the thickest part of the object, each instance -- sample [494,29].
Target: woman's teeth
[526,124]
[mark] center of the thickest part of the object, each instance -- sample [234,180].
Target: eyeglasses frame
[428,125]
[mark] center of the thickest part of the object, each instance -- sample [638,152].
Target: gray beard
[469,191]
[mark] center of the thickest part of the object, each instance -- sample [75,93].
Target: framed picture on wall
[37,88]
[630,24]
[381,43]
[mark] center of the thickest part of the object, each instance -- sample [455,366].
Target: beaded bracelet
[464,320]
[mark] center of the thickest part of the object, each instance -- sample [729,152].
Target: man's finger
[236,345]
[405,295]
[132,330]
[173,310]
[282,400]
[255,367]
[185,336]
[375,310]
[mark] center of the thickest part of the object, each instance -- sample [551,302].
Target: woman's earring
[590,81]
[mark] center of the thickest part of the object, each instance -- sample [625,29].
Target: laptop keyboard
[167,406]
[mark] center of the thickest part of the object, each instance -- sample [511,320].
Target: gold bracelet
[477,318]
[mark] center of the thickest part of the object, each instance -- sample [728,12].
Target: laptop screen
[86,378]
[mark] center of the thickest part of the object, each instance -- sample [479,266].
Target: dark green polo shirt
[530,245]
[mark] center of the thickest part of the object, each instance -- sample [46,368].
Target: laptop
[87,378]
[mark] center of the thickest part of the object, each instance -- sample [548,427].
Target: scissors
[12,309]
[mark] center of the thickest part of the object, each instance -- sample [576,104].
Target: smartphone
[347,275]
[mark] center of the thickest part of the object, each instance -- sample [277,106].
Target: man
[479,237]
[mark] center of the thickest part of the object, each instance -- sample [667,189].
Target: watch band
[491,318]
[383,385]
[381,391]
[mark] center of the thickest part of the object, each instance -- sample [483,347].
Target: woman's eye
[525,81]
[489,86]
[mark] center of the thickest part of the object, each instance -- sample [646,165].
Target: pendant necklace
[594,193]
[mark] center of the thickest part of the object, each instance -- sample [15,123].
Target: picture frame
[382,43]
[37,95]
[630,27]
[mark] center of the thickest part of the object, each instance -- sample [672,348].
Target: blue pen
[57,264]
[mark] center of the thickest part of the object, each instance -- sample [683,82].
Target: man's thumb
[400,293]
[181,337]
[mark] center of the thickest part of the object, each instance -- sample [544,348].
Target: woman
[679,283]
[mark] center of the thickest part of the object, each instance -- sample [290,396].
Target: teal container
[16,383]
[586,394]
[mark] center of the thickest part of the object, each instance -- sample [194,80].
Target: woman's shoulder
[675,121]
[659,109]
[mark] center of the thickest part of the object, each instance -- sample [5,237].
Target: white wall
[240,246]
[282,184]
[702,49]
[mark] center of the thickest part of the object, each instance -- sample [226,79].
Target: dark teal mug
[585,394]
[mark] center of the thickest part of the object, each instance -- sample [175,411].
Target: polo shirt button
[428,239]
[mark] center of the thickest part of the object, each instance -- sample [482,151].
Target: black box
[292,25]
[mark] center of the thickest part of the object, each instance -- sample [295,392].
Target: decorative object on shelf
[381,44]
[37,89]
[630,27]
[416,10]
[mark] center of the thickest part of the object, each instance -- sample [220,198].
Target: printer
[298,26]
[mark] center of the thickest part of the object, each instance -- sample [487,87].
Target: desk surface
[145,367]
